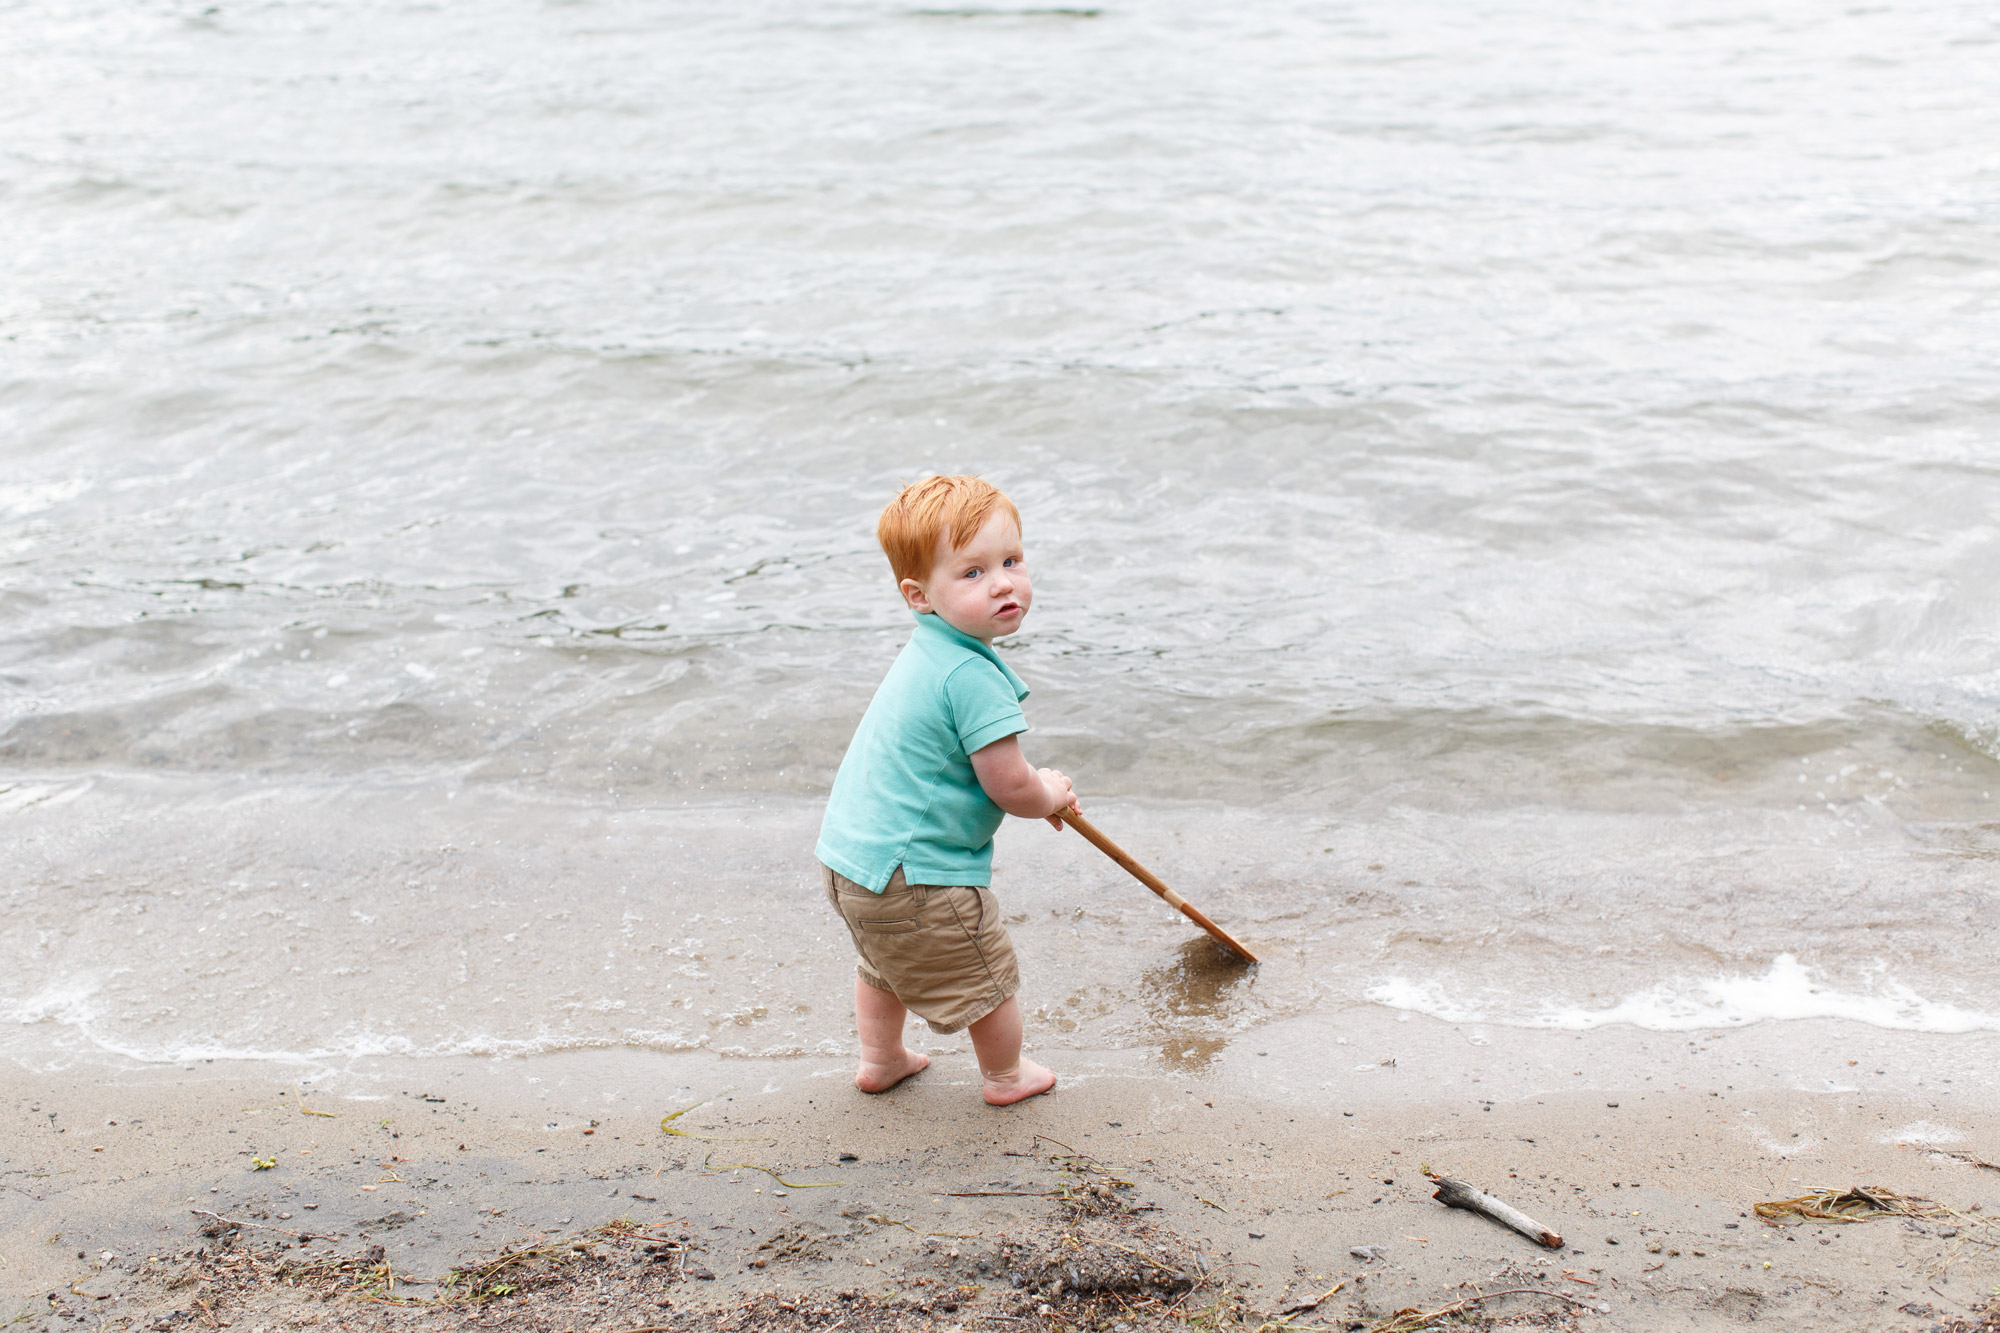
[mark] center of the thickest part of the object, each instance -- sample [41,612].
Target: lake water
[1512,491]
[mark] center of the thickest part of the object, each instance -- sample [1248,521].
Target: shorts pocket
[900,927]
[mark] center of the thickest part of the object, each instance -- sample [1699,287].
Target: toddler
[907,841]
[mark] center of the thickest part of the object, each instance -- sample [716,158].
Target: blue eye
[1009,562]
[974,572]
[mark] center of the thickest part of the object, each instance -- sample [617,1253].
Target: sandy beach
[1510,490]
[378,1196]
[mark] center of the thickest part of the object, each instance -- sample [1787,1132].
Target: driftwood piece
[1457,1194]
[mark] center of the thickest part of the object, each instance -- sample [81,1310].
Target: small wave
[1786,991]
[361,1047]
[71,1007]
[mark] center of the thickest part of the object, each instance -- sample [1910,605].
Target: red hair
[951,508]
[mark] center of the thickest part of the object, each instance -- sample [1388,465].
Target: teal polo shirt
[906,794]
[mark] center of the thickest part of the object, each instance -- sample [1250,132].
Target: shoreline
[1664,1146]
[272,919]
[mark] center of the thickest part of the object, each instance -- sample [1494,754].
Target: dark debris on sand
[1096,1263]
[1985,1321]
[1107,1272]
[1095,1268]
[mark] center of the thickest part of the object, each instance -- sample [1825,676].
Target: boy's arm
[1012,784]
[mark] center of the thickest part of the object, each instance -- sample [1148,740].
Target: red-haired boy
[907,841]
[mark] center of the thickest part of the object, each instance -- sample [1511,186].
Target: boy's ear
[913,593]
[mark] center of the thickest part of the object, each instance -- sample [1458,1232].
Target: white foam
[71,1008]
[1922,1131]
[20,500]
[1787,990]
[67,1003]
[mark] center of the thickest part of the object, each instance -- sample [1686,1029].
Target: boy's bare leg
[996,1040]
[885,1061]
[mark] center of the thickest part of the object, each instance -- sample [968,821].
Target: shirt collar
[933,623]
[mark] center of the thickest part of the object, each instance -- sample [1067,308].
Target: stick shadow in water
[1190,1000]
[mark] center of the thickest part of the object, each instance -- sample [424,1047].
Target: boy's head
[954,545]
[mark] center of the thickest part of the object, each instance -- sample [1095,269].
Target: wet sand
[158,919]
[1259,1190]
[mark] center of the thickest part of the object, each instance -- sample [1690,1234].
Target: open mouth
[1009,609]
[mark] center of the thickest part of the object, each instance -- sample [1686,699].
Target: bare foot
[1025,1080]
[872,1077]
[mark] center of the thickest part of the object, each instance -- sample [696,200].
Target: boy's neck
[947,626]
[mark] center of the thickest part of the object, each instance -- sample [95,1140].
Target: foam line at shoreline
[1787,991]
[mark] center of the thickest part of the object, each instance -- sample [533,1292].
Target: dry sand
[1224,1195]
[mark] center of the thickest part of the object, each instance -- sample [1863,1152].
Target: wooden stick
[1111,849]
[1457,1194]
[232,1222]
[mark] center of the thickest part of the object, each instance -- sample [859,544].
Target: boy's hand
[1061,796]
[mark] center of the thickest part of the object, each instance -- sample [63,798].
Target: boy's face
[981,588]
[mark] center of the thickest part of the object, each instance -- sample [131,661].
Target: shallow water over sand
[1512,498]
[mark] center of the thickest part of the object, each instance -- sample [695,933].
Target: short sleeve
[984,708]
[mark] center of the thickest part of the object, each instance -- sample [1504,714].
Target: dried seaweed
[752,1166]
[667,1125]
[1859,1204]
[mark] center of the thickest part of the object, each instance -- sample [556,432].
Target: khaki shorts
[940,949]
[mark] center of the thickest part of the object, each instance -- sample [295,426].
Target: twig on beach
[1141,1255]
[1302,1306]
[230,1221]
[1957,1251]
[478,1284]
[1964,1157]
[1400,1322]
[752,1166]
[1457,1194]
[1079,1156]
[942,1235]
[1207,1275]
[1182,1298]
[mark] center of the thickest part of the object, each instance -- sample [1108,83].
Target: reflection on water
[1190,1002]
